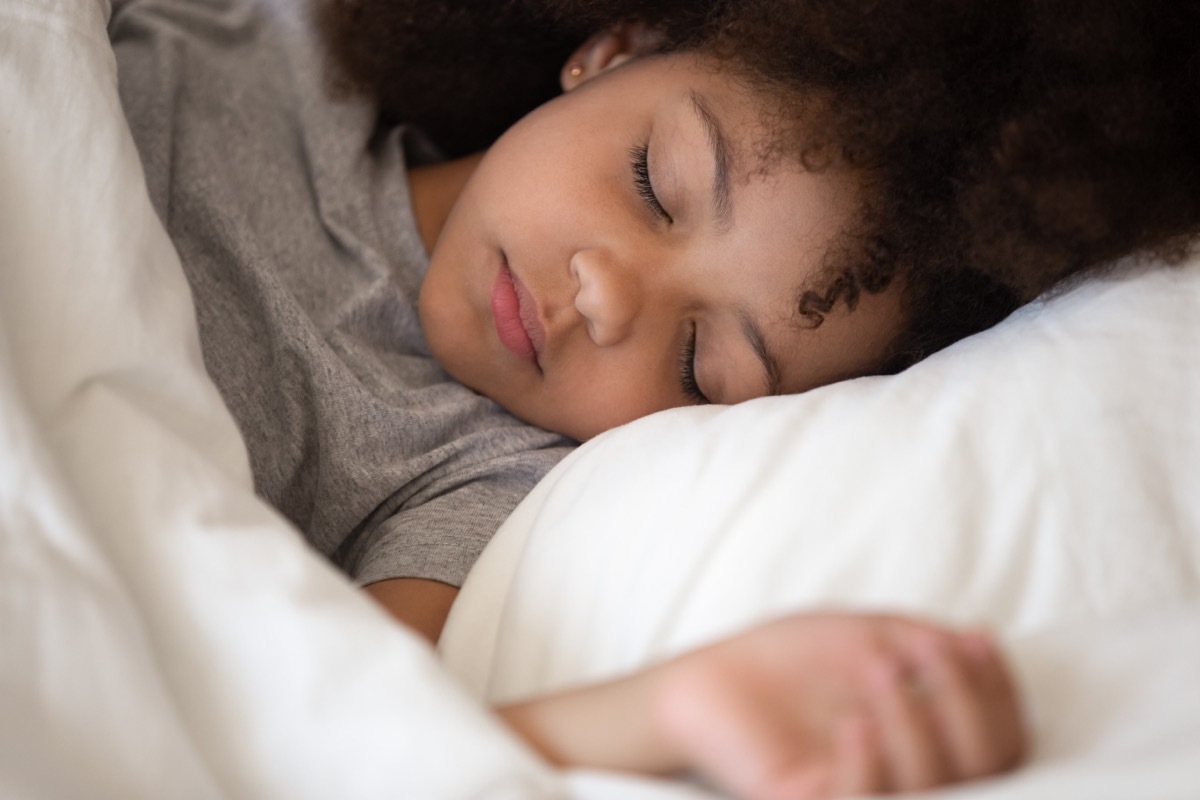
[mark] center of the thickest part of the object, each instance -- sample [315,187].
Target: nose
[609,295]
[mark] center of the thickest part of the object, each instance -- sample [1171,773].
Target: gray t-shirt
[291,215]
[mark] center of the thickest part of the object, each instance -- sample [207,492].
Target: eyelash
[687,370]
[640,161]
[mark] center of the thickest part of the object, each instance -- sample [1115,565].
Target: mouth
[515,314]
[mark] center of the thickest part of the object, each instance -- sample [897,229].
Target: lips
[515,313]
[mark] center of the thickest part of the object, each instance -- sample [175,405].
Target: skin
[617,288]
[810,706]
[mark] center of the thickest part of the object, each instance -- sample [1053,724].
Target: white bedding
[164,634]
[1042,478]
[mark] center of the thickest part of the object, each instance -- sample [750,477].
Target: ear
[609,48]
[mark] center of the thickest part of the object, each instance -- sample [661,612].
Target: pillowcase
[1041,473]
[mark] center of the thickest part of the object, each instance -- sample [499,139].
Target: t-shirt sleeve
[439,532]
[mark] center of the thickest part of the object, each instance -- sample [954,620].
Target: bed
[164,633]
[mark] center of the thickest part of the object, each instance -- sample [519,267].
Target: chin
[540,421]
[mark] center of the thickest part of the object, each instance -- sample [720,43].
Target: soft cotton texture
[1040,478]
[164,633]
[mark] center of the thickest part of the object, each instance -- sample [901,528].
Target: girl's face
[618,252]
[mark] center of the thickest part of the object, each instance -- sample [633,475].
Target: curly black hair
[1009,145]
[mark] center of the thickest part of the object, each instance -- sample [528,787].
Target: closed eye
[687,371]
[640,161]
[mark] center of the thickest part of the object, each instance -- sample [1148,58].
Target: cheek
[434,307]
[539,147]
[449,319]
[551,169]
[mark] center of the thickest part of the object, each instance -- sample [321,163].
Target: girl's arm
[421,604]
[809,706]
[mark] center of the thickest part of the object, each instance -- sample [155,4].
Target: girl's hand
[821,706]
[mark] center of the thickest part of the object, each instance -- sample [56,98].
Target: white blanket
[165,634]
[162,632]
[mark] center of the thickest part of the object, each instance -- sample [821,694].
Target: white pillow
[1041,476]
[1043,472]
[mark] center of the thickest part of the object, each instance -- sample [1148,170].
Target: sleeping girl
[432,246]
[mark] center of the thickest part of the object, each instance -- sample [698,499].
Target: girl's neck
[434,189]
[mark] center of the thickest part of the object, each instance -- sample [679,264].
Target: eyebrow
[758,343]
[722,158]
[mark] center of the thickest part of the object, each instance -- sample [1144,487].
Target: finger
[858,765]
[963,709]
[907,734]
[998,687]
